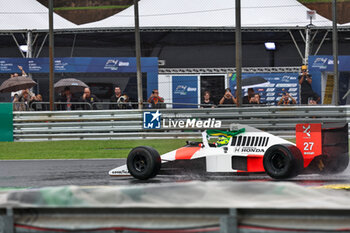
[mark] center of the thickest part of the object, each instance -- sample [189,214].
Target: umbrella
[74,85]
[16,84]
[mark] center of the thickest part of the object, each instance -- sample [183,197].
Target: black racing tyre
[283,161]
[343,162]
[143,162]
[159,161]
[334,164]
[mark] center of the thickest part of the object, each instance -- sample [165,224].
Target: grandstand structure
[186,36]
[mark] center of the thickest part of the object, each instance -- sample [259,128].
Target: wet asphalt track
[42,173]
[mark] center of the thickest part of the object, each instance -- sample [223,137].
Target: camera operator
[121,100]
[155,100]
[286,99]
[228,99]
[305,81]
[255,99]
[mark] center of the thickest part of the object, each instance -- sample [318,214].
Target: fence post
[228,224]
[7,222]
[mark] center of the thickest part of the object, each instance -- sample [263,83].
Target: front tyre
[143,162]
[283,161]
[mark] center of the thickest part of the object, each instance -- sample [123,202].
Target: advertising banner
[326,63]
[320,66]
[78,64]
[269,86]
[185,90]
[149,65]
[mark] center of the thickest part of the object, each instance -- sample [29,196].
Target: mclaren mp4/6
[319,148]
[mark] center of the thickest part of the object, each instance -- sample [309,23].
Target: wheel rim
[278,160]
[140,163]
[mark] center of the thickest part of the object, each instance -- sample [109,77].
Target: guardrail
[219,220]
[128,124]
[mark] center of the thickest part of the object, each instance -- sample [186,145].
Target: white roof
[27,15]
[212,13]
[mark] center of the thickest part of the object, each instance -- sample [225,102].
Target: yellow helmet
[304,67]
[222,141]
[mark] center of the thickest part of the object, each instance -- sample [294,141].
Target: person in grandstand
[286,99]
[155,100]
[68,100]
[228,99]
[206,101]
[305,81]
[24,74]
[255,99]
[118,99]
[246,99]
[21,102]
[36,104]
[88,98]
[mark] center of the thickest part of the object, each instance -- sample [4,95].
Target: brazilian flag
[216,132]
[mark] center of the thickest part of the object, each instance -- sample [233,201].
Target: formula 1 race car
[319,148]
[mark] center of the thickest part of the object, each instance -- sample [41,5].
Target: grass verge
[81,149]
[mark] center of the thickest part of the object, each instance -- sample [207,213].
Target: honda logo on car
[249,150]
[152,120]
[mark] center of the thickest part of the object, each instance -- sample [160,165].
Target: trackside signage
[157,120]
[6,126]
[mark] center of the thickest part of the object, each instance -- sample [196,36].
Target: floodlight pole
[138,54]
[238,34]
[307,44]
[30,49]
[335,52]
[29,44]
[51,56]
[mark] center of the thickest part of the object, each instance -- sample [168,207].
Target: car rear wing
[330,139]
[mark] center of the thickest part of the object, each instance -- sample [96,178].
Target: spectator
[313,100]
[36,104]
[122,100]
[89,98]
[21,102]
[207,102]
[24,74]
[286,99]
[67,98]
[228,98]
[246,99]
[255,99]
[155,100]
[305,80]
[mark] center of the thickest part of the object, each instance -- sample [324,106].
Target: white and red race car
[319,148]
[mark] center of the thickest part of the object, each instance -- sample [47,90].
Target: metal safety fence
[133,220]
[128,124]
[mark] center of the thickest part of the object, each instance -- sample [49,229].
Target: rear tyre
[334,164]
[143,162]
[343,162]
[283,161]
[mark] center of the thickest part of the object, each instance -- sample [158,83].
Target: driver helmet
[222,141]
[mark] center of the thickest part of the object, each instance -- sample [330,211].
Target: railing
[218,220]
[59,106]
[128,124]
